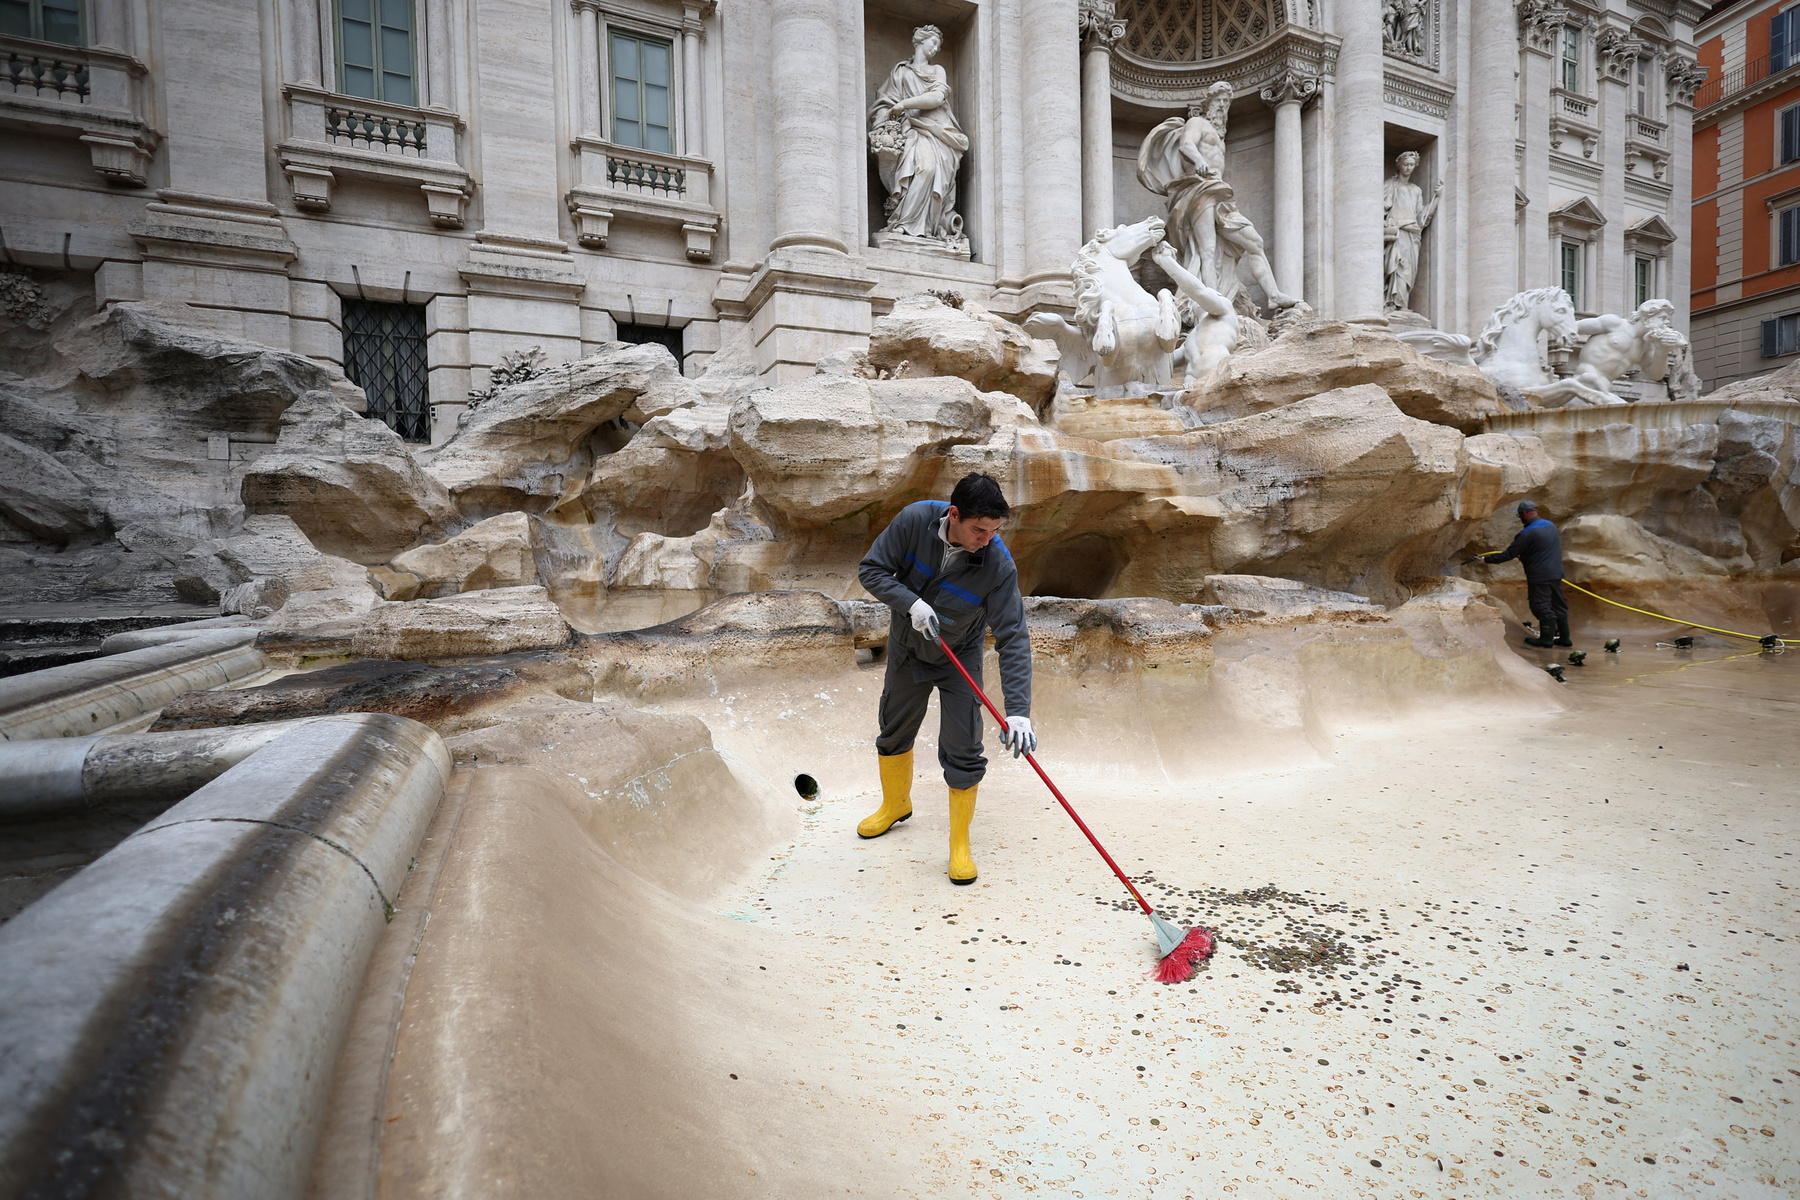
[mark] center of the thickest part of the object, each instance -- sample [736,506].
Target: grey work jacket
[981,589]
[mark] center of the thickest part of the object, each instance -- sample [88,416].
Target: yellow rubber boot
[962,812]
[896,796]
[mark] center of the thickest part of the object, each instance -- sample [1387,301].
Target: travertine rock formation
[530,446]
[127,443]
[497,621]
[349,482]
[1321,355]
[674,474]
[495,553]
[923,336]
[1723,484]
[821,449]
[1286,599]
[1601,549]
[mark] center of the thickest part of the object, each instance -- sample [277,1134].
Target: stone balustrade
[663,189]
[98,96]
[329,135]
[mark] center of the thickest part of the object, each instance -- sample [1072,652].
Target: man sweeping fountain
[1539,551]
[943,569]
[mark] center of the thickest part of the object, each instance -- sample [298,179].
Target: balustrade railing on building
[91,93]
[329,135]
[1730,83]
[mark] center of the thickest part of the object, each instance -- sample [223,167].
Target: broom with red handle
[1182,950]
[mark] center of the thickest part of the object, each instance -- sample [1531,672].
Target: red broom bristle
[1183,962]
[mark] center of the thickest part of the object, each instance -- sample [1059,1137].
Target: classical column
[1099,30]
[807,173]
[1288,96]
[1357,140]
[1493,248]
[1050,54]
[588,51]
[692,112]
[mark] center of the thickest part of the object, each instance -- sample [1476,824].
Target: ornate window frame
[97,93]
[329,134]
[647,185]
[1577,223]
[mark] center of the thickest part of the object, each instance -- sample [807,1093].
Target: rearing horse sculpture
[1121,333]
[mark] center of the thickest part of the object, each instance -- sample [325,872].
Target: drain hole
[806,785]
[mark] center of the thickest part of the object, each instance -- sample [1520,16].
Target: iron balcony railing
[1727,84]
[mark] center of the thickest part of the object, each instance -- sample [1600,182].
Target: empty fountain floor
[1503,957]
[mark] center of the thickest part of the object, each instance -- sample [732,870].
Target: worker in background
[1539,551]
[943,569]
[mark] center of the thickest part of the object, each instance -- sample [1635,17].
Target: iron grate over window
[668,337]
[384,355]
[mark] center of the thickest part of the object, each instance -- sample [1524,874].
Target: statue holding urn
[918,148]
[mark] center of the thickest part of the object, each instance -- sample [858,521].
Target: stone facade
[1747,176]
[555,174]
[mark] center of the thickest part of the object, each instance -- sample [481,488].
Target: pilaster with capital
[1540,23]
[1288,94]
[1684,77]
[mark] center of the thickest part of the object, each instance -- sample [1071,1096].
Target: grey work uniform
[971,590]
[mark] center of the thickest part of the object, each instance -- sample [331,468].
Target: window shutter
[1778,42]
[1768,339]
[1788,249]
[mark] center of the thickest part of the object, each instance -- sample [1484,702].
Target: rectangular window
[1784,46]
[384,355]
[1644,278]
[1641,89]
[1571,271]
[1788,241]
[1571,59]
[1781,335]
[375,50]
[668,337]
[640,92]
[45,20]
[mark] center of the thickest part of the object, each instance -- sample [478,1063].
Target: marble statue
[918,147]
[1616,345]
[1122,334]
[1508,350]
[1183,159]
[1406,215]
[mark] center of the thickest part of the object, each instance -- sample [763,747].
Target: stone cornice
[1176,85]
[1416,95]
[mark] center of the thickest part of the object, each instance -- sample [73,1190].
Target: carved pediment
[1580,218]
[1652,235]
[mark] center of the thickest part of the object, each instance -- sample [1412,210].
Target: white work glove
[925,619]
[1018,737]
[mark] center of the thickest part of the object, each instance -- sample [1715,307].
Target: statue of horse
[1121,333]
[1507,350]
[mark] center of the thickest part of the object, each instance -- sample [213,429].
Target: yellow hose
[1676,620]
[1662,616]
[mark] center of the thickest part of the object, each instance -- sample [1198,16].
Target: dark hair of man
[978,495]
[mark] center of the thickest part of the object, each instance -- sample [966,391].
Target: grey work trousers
[906,692]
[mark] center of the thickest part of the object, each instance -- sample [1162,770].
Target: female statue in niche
[1407,214]
[918,146]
